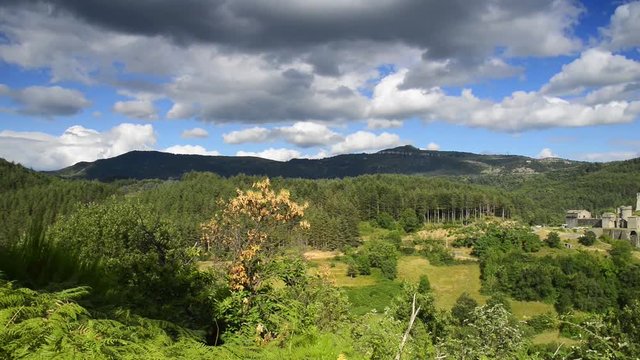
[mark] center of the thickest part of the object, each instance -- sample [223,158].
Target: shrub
[463,308]
[542,322]
[386,221]
[553,240]
[588,239]
[409,220]
[363,264]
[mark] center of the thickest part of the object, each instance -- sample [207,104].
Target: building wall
[608,222]
[589,222]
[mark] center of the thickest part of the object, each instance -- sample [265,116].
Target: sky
[82,80]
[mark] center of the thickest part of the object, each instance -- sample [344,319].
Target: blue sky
[283,79]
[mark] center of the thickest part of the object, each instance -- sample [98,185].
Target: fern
[53,325]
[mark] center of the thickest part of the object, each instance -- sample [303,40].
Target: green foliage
[499,299]
[437,253]
[363,263]
[394,237]
[54,325]
[495,237]
[434,321]
[37,261]
[490,332]
[582,280]
[424,286]
[372,297]
[147,262]
[378,337]
[384,256]
[409,220]
[605,336]
[136,254]
[621,253]
[385,221]
[588,239]
[542,322]
[553,240]
[352,270]
[463,309]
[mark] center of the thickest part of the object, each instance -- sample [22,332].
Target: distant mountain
[400,160]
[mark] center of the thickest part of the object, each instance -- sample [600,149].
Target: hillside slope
[400,160]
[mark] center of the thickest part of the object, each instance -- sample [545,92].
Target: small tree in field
[553,240]
[251,230]
[588,239]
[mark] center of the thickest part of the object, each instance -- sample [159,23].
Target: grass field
[553,336]
[374,292]
[448,283]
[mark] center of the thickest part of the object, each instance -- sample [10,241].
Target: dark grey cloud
[453,28]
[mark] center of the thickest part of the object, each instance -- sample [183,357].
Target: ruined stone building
[622,224]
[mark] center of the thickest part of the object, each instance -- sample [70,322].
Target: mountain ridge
[405,159]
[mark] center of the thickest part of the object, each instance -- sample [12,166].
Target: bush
[384,256]
[389,268]
[386,221]
[499,298]
[553,240]
[363,264]
[542,322]
[407,250]
[393,237]
[409,220]
[463,308]
[424,286]
[351,270]
[588,239]
[437,254]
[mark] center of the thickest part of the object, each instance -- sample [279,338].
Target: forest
[222,267]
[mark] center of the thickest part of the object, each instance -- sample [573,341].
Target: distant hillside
[400,160]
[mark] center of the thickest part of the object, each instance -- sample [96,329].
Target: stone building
[622,224]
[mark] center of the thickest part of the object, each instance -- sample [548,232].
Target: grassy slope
[448,283]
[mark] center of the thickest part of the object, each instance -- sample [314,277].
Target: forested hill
[15,176]
[400,160]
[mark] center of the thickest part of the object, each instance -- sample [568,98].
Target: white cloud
[608,156]
[47,152]
[433,146]
[181,111]
[190,150]
[364,141]
[254,134]
[46,101]
[195,133]
[594,68]
[546,153]
[624,30]
[517,112]
[389,101]
[307,134]
[383,124]
[142,109]
[273,154]
[619,92]
[302,133]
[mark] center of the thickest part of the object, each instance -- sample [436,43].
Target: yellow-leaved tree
[251,230]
